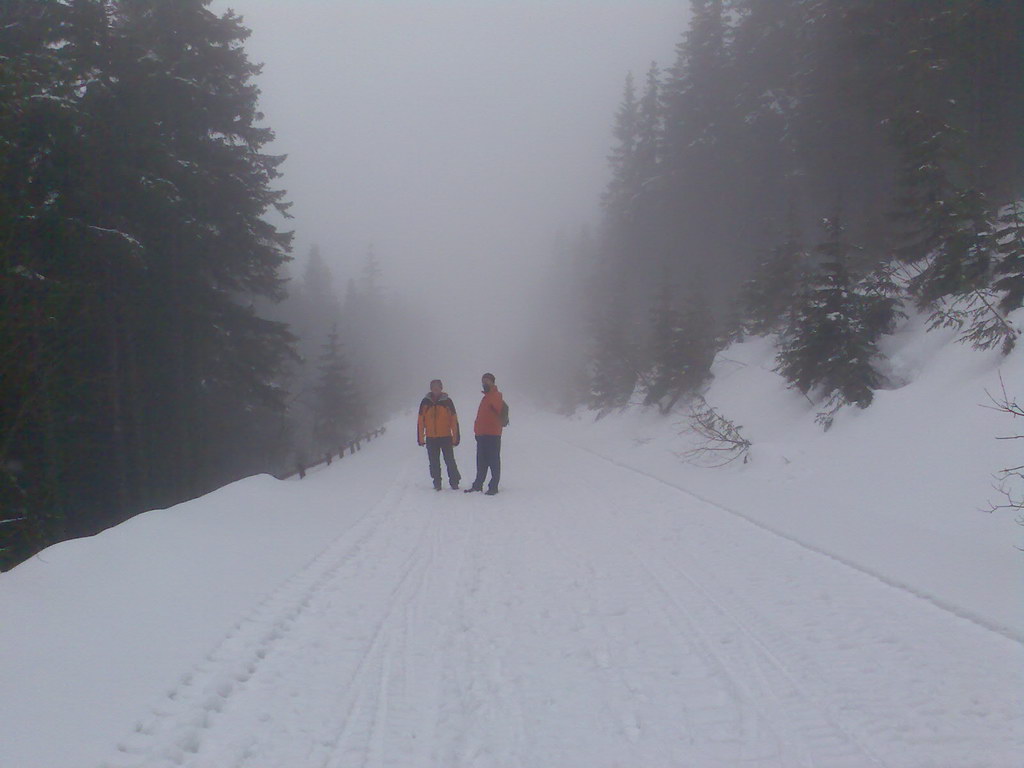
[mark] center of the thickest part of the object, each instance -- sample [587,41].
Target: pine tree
[646,247]
[44,60]
[829,343]
[1009,240]
[317,280]
[667,344]
[700,341]
[650,128]
[840,68]
[314,305]
[619,198]
[381,334]
[619,278]
[881,293]
[207,241]
[695,94]
[946,231]
[613,365]
[338,415]
[765,53]
[370,286]
[624,269]
[785,104]
[683,342]
[133,195]
[697,104]
[949,235]
[769,295]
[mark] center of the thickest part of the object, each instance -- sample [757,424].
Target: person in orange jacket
[487,429]
[437,427]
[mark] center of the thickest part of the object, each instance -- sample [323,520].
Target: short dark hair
[488,376]
[436,381]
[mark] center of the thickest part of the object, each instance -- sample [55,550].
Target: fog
[808,172]
[457,138]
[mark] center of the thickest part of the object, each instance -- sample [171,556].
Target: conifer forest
[152,345]
[811,170]
[806,169]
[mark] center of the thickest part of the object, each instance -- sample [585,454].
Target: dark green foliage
[649,136]
[620,197]
[769,295]
[829,343]
[911,113]
[683,348]
[1009,239]
[946,229]
[882,299]
[133,247]
[984,325]
[951,238]
[614,366]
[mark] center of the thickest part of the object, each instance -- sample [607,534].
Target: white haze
[456,137]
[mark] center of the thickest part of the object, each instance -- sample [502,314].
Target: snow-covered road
[586,616]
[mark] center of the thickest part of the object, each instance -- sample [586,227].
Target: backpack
[504,413]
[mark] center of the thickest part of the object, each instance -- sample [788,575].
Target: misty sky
[457,137]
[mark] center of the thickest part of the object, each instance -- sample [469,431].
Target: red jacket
[488,415]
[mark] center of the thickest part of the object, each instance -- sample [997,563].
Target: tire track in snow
[173,735]
[360,737]
[485,724]
[961,613]
[552,625]
[597,611]
[802,732]
[810,715]
[336,691]
[355,699]
[855,638]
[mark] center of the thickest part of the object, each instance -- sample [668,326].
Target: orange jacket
[437,418]
[488,415]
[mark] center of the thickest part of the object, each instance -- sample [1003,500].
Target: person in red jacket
[487,429]
[437,427]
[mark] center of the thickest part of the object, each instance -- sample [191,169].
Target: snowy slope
[596,613]
[901,490]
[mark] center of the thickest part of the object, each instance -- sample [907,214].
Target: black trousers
[435,447]
[488,457]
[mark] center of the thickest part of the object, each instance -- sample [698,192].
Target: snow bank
[93,628]
[95,632]
[901,489]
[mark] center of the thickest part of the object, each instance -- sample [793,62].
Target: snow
[840,600]
[900,490]
[123,235]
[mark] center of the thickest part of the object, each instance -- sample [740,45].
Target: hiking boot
[437,485]
[455,485]
[491,492]
[472,489]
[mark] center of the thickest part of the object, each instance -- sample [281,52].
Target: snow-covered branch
[1010,480]
[124,235]
[720,440]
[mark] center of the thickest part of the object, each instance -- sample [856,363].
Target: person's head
[488,381]
[436,386]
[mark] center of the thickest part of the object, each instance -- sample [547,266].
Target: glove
[455,442]
[421,443]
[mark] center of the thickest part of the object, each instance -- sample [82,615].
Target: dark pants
[435,447]
[488,456]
